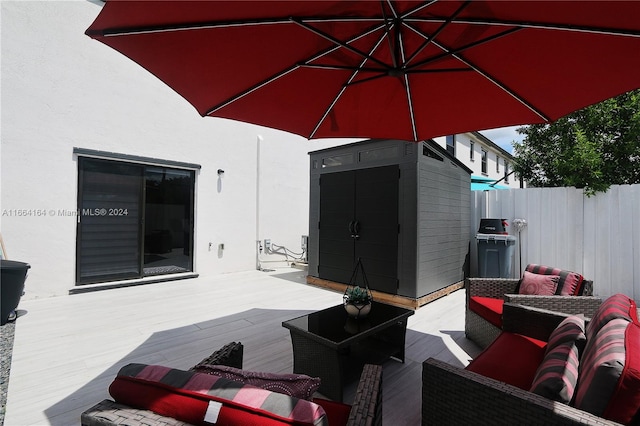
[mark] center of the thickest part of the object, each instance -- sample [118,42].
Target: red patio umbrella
[388,69]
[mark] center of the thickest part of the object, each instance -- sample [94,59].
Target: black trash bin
[12,277]
[495,249]
[495,252]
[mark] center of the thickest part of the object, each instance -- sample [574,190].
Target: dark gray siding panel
[443,223]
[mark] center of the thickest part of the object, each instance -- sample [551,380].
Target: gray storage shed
[403,208]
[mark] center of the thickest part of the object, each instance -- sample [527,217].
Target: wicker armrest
[452,395]
[586,305]
[530,321]
[230,355]
[109,413]
[366,409]
[490,287]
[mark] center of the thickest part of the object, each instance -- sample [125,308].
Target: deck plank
[68,349]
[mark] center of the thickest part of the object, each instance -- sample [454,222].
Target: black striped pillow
[203,399]
[557,375]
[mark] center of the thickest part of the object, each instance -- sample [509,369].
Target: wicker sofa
[365,410]
[454,395]
[482,330]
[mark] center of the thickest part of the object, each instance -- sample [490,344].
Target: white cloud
[503,136]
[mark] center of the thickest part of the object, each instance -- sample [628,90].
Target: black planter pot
[13,275]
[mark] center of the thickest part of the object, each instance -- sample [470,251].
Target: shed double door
[359,219]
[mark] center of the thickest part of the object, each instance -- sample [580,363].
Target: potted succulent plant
[357,300]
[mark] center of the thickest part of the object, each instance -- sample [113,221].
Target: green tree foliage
[593,148]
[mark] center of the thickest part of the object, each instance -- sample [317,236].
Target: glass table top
[335,325]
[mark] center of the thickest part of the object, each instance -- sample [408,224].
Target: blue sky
[503,136]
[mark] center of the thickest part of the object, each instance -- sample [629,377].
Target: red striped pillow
[569,284]
[193,397]
[616,306]
[601,367]
[557,375]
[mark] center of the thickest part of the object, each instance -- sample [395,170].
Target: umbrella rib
[451,52]
[337,42]
[407,87]
[497,83]
[387,31]
[344,87]
[284,72]
[251,89]
[551,26]
[150,29]
[341,67]
[441,70]
[114,32]
[438,31]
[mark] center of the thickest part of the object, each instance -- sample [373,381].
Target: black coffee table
[331,345]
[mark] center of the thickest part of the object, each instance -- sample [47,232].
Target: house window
[451,145]
[134,220]
[506,172]
[497,164]
[471,150]
[483,154]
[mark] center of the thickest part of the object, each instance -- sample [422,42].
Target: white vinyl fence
[598,236]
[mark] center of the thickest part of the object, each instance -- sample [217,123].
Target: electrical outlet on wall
[267,244]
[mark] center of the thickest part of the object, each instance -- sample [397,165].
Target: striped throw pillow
[616,306]
[296,385]
[204,399]
[557,376]
[569,284]
[601,367]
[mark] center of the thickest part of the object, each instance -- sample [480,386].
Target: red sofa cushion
[511,358]
[337,412]
[570,283]
[488,308]
[203,399]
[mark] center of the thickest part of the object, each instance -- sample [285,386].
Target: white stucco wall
[60,90]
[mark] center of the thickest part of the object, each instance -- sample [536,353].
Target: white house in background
[489,162]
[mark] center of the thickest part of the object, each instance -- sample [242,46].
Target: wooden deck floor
[68,349]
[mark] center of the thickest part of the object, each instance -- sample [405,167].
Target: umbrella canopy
[382,69]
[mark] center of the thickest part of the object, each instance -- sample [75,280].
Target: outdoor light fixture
[220,172]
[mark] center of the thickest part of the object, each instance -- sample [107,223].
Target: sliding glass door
[134,220]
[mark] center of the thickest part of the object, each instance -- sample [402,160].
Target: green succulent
[357,295]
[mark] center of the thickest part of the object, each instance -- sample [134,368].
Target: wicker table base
[330,345]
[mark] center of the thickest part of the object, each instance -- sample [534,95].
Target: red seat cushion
[337,412]
[203,399]
[511,358]
[488,308]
